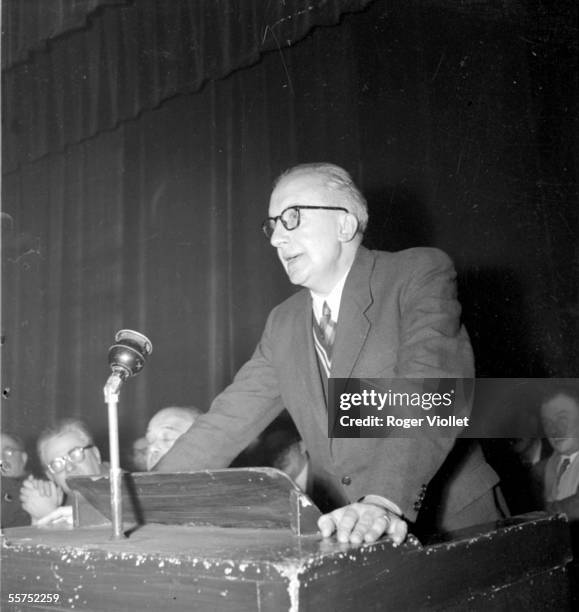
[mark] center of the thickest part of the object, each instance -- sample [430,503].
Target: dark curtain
[155,226]
[30,25]
[458,126]
[75,69]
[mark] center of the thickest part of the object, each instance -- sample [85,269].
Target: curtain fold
[31,24]
[130,57]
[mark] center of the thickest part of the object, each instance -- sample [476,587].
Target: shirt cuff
[378,500]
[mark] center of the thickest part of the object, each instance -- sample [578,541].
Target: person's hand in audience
[60,516]
[40,497]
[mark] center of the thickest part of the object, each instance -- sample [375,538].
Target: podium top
[259,498]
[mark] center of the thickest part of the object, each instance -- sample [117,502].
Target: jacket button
[346,480]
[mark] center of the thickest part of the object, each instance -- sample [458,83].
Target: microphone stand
[111,391]
[126,358]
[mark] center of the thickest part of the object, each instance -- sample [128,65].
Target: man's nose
[280,235]
[70,467]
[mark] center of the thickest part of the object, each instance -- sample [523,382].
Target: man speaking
[362,314]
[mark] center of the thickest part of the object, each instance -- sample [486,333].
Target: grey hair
[64,426]
[338,179]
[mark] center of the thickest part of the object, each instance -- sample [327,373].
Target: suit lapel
[353,324]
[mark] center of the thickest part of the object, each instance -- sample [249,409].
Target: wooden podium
[245,539]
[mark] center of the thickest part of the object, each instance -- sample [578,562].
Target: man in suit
[362,314]
[559,473]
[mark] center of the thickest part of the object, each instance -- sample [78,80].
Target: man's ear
[24,458]
[348,227]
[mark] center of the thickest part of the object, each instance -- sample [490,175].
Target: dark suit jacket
[12,515]
[399,317]
[546,475]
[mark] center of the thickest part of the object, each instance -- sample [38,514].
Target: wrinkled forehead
[306,188]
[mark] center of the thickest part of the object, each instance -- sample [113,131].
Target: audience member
[165,427]
[65,450]
[515,459]
[559,473]
[12,474]
[14,457]
[558,476]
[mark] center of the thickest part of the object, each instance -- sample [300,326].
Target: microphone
[127,357]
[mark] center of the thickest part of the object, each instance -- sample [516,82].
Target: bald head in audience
[165,427]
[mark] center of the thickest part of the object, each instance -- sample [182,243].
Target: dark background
[133,188]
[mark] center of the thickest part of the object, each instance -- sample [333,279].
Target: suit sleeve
[432,345]
[568,505]
[237,415]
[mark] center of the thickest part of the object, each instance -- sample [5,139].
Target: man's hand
[60,516]
[40,497]
[363,522]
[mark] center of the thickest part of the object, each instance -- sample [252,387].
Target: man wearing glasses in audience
[362,314]
[65,450]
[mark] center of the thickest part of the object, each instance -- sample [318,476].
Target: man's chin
[295,278]
[565,446]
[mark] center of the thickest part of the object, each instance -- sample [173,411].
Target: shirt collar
[333,299]
[570,457]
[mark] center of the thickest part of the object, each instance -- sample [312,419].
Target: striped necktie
[324,335]
[562,469]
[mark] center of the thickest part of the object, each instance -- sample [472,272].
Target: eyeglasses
[290,218]
[76,455]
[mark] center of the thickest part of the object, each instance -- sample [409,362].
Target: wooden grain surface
[243,497]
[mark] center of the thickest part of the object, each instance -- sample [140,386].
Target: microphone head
[129,353]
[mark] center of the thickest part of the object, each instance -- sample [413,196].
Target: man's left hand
[363,522]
